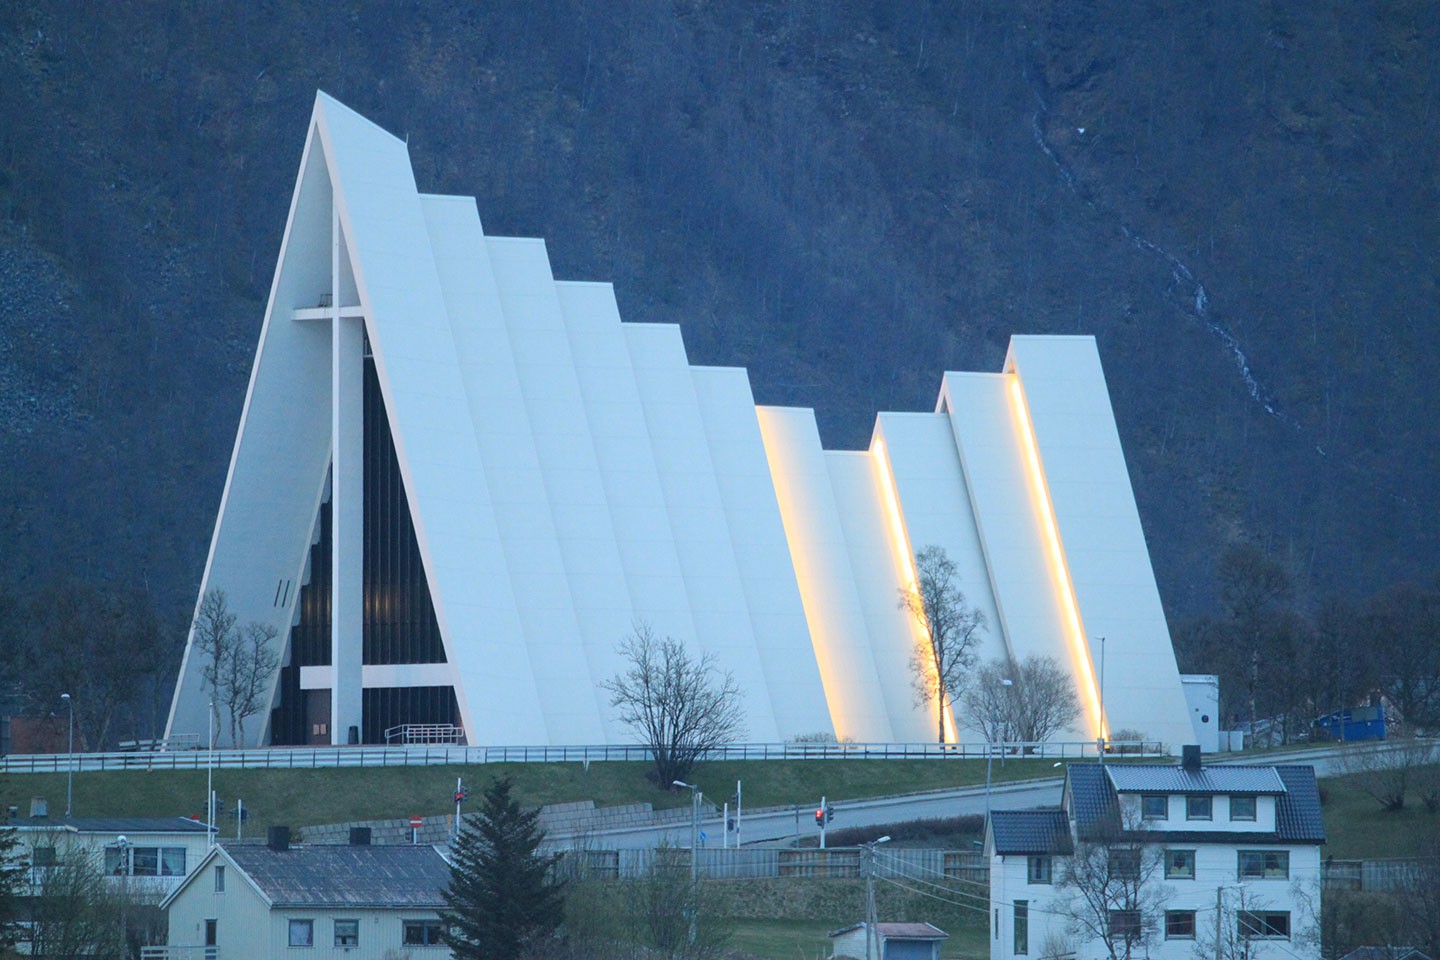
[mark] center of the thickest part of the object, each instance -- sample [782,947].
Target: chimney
[359,836]
[279,839]
[1190,757]
[39,809]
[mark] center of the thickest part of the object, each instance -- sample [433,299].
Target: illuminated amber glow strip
[905,559]
[1060,572]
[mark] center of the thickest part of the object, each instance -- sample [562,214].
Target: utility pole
[871,920]
[1218,923]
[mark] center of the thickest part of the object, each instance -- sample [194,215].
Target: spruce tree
[12,876]
[502,896]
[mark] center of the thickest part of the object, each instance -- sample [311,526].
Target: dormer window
[1242,808]
[1197,807]
[1154,806]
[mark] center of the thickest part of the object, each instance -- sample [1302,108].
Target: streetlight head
[65,696]
[884,839]
[122,841]
[1006,682]
[682,783]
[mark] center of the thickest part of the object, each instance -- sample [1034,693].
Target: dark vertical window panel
[400,624]
[387,707]
[309,641]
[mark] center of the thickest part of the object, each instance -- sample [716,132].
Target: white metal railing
[432,755]
[424,733]
[179,953]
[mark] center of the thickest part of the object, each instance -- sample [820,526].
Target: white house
[146,856]
[1144,856]
[458,482]
[351,901]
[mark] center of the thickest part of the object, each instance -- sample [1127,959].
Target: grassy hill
[1357,826]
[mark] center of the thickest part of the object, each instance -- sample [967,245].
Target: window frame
[1126,923]
[1250,924]
[1021,932]
[1193,801]
[1254,809]
[1171,916]
[297,924]
[1125,863]
[1148,798]
[219,878]
[1281,870]
[352,937]
[1170,872]
[1045,874]
[425,927]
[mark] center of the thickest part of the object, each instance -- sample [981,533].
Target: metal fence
[436,754]
[1378,875]
[768,862]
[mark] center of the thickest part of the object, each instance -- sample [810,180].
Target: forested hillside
[1238,199]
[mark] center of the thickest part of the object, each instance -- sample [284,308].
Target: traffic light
[829,812]
[819,816]
[460,795]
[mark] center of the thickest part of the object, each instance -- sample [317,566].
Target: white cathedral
[458,483]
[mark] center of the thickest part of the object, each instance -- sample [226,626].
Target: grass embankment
[1358,828]
[337,795]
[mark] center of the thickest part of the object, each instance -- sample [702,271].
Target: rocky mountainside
[1237,198]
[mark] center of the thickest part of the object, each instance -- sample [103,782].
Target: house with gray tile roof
[350,901]
[1174,845]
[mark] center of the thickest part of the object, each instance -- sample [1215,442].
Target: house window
[1179,924]
[422,933]
[347,933]
[44,857]
[145,862]
[1264,924]
[1264,864]
[1197,808]
[1125,923]
[1179,864]
[302,933]
[219,879]
[1040,870]
[1022,927]
[172,861]
[1125,864]
[1242,808]
[1154,806]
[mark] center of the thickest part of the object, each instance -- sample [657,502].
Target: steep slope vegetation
[1236,198]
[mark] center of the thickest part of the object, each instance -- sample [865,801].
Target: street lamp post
[124,870]
[990,753]
[870,917]
[70,756]
[694,824]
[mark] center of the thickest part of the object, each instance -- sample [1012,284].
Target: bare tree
[214,632]
[1038,701]
[246,672]
[1111,894]
[75,912]
[1388,772]
[237,666]
[679,705]
[952,630]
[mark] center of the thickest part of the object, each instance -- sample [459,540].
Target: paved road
[780,824]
